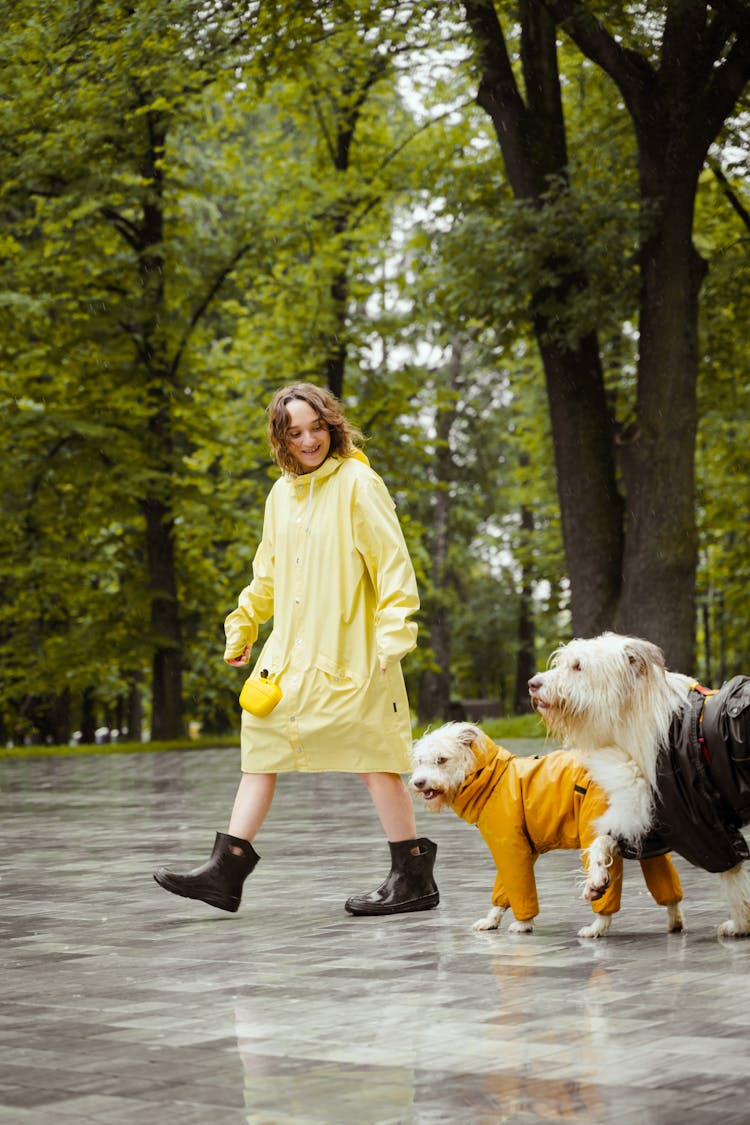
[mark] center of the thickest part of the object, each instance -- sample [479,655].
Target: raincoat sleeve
[255,603]
[380,541]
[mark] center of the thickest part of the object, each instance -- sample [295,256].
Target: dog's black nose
[535,683]
[419,783]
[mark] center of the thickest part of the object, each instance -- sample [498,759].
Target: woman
[334,572]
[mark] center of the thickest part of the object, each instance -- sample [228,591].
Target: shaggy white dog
[640,730]
[524,807]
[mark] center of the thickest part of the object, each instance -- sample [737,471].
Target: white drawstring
[309,506]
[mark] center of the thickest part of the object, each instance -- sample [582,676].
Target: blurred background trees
[515,238]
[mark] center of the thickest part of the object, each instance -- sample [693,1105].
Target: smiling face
[308,438]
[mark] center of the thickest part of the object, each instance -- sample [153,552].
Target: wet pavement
[122,1004]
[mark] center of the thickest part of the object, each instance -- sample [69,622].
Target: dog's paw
[731,929]
[598,927]
[521,928]
[594,888]
[491,920]
[598,859]
[675,921]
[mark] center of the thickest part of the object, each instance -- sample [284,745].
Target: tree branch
[725,85]
[736,11]
[498,95]
[632,73]
[729,192]
[126,227]
[202,306]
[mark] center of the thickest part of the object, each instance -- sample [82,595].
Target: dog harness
[703,781]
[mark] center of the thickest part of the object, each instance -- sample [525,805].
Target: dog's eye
[575,666]
[440,761]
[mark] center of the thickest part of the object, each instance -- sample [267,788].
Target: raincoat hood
[492,762]
[330,466]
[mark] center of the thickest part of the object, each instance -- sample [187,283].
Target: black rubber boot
[218,882]
[409,886]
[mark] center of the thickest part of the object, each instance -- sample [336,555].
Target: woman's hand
[238,661]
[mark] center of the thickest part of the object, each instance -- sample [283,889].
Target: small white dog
[523,807]
[673,757]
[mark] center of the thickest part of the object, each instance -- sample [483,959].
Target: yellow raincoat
[526,806]
[334,572]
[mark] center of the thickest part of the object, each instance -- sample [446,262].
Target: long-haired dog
[673,757]
[524,807]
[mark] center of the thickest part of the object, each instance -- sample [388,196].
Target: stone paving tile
[121,1004]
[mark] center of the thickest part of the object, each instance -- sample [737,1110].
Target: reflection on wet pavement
[122,1004]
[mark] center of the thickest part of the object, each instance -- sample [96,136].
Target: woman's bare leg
[251,804]
[393,804]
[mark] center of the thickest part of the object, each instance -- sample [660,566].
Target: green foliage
[724,435]
[202,202]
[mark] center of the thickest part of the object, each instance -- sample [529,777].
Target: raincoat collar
[327,469]
[492,762]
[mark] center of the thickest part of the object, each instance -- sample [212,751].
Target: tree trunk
[591,506]
[677,111]
[336,348]
[166,703]
[88,716]
[434,694]
[435,683]
[157,506]
[532,140]
[135,712]
[348,103]
[526,655]
[661,550]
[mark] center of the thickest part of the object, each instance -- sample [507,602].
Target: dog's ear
[481,746]
[468,735]
[642,655]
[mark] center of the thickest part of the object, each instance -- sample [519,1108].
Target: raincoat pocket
[726,729]
[337,675]
[727,721]
[738,704]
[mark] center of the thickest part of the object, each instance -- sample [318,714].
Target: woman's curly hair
[344,436]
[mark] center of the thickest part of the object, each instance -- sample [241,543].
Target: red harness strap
[705,692]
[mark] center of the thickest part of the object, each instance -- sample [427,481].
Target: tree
[92,137]
[628,520]
[724,410]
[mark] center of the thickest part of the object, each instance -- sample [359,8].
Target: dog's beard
[555,716]
[436,790]
[435,799]
[574,722]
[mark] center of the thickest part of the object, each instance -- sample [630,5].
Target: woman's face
[308,438]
